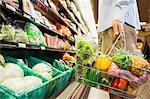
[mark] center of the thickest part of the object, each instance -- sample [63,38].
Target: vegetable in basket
[138,63]
[103,62]
[114,70]
[85,51]
[119,83]
[123,61]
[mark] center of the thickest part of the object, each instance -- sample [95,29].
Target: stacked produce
[13,77]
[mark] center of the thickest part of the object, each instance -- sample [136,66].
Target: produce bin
[44,91]
[6,93]
[120,78]
[55,84]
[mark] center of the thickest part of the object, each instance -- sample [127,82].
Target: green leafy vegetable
[123,61]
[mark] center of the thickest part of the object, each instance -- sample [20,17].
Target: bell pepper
[119,83]
[103,62]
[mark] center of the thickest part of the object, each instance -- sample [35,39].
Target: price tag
[10,7]
[37,21]
[27,16]
[22,45]
[42,47]
[50,27]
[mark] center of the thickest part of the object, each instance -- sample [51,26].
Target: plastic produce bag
[7,33]
[21,36]
[35,35]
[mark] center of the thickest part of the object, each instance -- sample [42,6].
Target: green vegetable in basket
[123,61]
[85,51]
[104,81]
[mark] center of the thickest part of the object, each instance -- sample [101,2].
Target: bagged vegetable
[20,36]
[35,36]
[7,33]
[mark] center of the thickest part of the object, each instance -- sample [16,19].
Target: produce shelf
[50,14]
[74,19]
[14,45]
[28,18]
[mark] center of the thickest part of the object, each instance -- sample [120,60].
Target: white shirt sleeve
[123,9]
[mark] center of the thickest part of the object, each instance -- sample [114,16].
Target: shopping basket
[122,81]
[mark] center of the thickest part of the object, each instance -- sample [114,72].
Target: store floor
[96,93]
[93,94]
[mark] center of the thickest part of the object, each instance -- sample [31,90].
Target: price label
[10,7]
[42,47]
[37,21]
[27,16]
[22,45]
[50,27]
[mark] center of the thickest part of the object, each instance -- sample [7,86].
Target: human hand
[118,28]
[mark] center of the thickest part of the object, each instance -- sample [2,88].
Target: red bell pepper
[122,84]
[119,83]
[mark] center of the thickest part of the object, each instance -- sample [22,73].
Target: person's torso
[108,10]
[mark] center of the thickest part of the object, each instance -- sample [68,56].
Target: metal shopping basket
[123,83]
